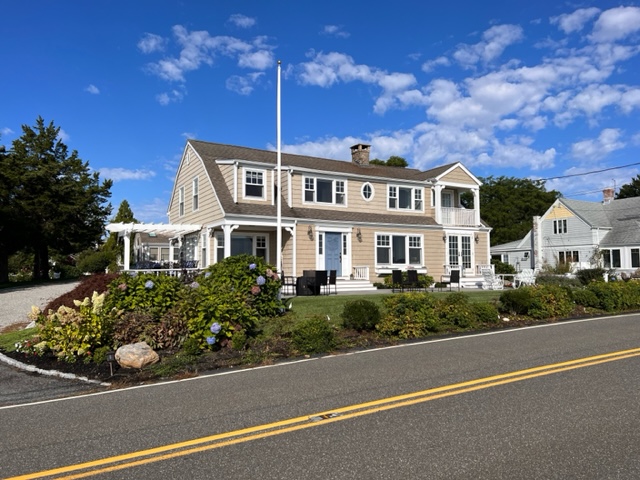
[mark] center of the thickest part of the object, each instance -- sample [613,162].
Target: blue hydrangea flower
[194,285]
[211,340]
[260,280]
[215,328]
[207,275]
[252,266]
[149,284]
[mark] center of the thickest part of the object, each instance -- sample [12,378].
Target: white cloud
[616,24]
[172,96]
[154,211]
[574,22]
[151,43]
[596,149]
[6,131]
[92,89]
[431,65]
[244,85]
[260,60]
[120,174]
[335,31]
[494,41]
[63,136]
[242,21]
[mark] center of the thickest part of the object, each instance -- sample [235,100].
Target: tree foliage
[508,205]
[124,215]
[629,190]
[55,201]
[393,161]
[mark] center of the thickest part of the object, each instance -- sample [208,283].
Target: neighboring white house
[583,234]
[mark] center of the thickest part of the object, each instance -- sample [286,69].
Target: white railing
[479,269]
[458,216]
[361,273]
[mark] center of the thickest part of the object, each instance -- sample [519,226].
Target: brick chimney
[360,154]
[607,195]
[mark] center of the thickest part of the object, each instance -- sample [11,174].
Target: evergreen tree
[57,202]
[629,190]
[112,245]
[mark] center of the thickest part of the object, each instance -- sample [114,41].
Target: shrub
[585,297]
[424,281]
[232,295]
[502,267]
[455,310]
[609,295]
[138,326]
[313,335]
[92,261]
[550,301]
[360,315]
[71,334]
[588,275]
[485,312]
[409,315]
[516,301]
[554,279]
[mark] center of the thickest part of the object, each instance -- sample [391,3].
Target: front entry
[333,256]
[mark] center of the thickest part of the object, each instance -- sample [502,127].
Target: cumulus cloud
[242,21]
[154,211]
[120,174]
[494,41]
[244,85]
[596,149]
[6,131]
[574,22]
[92,89]
[616,24]
[431,65]
[151,43]
[172,96]
[335,31]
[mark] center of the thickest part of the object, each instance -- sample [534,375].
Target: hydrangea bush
[231,296]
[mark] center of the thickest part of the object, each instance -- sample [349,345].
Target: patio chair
[332,281]
[491,281]
[526,277]
[288,284]
[396,280]
[412,282]
[321,281]
[454,278]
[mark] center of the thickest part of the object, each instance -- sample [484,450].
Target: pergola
[125,230]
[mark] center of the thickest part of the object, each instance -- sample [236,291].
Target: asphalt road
[562,420]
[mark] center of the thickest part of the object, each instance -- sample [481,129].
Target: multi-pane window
[560,226]
[181,201]
[254,183]
[261,246]
[404,198]
[204,242]
[164,254]
[398,249]
[194,191]
[460,250]
[611,258]
[219,247]
[568,256]
[635,258]
[323,190]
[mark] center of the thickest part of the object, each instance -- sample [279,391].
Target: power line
[588,173]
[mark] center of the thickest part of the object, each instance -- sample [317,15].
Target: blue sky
[524,89]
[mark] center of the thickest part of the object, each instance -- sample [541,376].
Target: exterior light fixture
[476,238]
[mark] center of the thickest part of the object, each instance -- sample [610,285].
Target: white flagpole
[279,193]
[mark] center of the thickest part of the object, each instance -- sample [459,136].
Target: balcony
[458,217]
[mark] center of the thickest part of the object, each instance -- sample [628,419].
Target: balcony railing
[458,216]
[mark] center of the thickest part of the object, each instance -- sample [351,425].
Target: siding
[457,175]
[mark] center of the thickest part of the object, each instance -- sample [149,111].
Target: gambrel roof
[212,153]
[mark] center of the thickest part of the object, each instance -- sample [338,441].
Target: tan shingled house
[360,219]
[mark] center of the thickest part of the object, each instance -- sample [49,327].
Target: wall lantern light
[476,238]
[310,232]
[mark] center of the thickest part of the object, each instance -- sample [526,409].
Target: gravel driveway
[16,302]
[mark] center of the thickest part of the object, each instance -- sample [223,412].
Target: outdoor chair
[332,281]
[526,277]
[491,281]
[288,284]
[412,282]
[322,279]
[396,280]
[454,277]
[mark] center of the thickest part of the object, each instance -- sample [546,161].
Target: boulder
[136,355]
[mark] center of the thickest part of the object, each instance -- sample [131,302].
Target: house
[583,234]
[360,219]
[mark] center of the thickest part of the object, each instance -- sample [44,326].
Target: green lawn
[332,305]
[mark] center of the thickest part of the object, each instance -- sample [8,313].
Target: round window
[367,191]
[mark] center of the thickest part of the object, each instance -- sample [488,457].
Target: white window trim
[195,194]
[333,181]
[373,191]
[383,267]
[413,189]
[246,170]
[181,202]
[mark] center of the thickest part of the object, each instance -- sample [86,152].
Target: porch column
[209,237]
[438,202]
[227,229]
[127,249]
[476,205]
[292,232]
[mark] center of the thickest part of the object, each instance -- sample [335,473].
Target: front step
[354,286]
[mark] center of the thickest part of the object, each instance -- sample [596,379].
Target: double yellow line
[211,442]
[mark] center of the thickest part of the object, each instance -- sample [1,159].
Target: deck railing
[458,216]
[361,273]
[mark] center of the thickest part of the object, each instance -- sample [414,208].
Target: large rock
[136,355]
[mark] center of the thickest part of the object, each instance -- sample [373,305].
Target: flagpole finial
[279,62]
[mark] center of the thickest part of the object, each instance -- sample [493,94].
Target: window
[559,226]
[204,243]
[323,190]
[404,198]
[460,251]
[219,247]
[164,254]
[398,249]
[181,201]
[248,244]
[635,257]
[261,246]
[194,189]
[367,191]
[611,258]
[568,257]
[254,184]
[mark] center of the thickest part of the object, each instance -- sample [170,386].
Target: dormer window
[324,190]
[254,184]
[404,198]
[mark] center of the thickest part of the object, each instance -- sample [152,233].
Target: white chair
[526,277]
[491,281]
